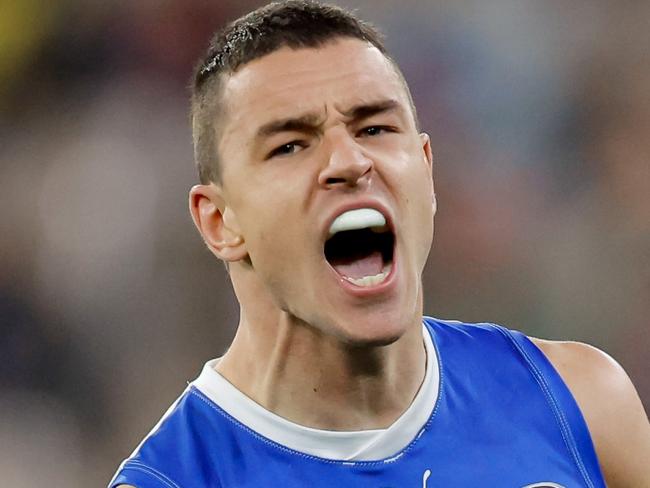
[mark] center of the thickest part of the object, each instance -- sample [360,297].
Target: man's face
[319,140]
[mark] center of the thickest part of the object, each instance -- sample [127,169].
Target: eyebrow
[366,110]
[312,122]
[305,123]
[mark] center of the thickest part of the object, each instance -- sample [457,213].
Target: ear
[217,223]
[425,140]
[428,155]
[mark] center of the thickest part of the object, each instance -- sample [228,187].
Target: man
[317,192]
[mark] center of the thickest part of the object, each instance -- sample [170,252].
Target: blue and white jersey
[492,411]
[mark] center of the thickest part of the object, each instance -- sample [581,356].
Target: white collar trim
[363,445]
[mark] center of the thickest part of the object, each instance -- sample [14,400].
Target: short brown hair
[292,23]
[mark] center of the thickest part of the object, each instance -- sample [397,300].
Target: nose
[347,165]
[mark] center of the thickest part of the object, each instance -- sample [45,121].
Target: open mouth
[360,247]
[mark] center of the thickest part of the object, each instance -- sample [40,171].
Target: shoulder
[611,407]
[190,434]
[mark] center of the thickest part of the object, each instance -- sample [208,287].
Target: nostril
[334,181]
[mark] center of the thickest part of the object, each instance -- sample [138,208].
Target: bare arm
[611,407]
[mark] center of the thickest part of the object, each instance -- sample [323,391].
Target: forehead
[289,82]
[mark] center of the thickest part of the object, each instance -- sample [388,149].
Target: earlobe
[216,223]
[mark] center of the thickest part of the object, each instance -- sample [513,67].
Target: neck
[296,371]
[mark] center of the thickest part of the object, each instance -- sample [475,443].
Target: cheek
[271,230]
[412,173]
[415,189]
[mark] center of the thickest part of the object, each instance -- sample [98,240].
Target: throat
[362,257]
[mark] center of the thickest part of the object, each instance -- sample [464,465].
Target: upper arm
[611,407]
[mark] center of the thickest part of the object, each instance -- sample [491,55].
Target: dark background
[539,114]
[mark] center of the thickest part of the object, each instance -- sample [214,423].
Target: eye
[287,149]
[374,130]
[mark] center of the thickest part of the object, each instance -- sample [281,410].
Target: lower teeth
[370,280]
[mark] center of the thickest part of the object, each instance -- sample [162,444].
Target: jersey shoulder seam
[140,466]
[558,413]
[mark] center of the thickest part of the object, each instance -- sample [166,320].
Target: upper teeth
[360,218]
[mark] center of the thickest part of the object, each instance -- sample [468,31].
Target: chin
[369,342]
[375,329]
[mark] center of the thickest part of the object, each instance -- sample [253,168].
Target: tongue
[360,265]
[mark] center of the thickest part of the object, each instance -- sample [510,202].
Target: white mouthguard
[360,218]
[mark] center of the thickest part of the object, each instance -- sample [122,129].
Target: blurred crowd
[539,114]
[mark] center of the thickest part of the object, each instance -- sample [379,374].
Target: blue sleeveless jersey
[503,418]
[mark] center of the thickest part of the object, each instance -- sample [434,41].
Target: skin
[273,210]
[306,348]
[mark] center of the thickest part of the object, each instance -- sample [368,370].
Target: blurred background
[540,118]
